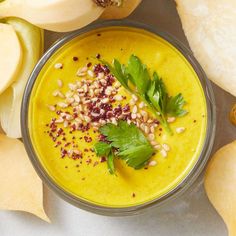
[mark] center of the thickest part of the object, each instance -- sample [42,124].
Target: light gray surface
[190,215]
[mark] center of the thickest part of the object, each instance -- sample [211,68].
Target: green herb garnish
[136,79]
[126,142]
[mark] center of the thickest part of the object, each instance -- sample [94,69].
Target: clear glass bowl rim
[174,193]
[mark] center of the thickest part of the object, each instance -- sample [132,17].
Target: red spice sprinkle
[98,34]
[63,152]
[133,195]
[89,64]
[89,161]
[103,159]
[75,58]
[87,139]
[67,144]
[98,56]
[126,108]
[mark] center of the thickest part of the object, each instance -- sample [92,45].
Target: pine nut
[90,73]
[163,153]
[135,109]
[87,119]
[132,102]
[70,100]
[77,98]
[60,120]
[118,97]
[51,107]
[157,147]
[180,130]
[72,87]
[171,119]
[135,98]
[62,104]
[166,147]
[141,105]
[151,137]
[55,93]
[133,116]
[152,129]
[144,115]
[100,75]
[142,126]
[146,129]
[152,163]
[59,83]
[154,143]
[105,100]
[58,66]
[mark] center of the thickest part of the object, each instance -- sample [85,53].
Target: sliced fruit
[31,39]
[114,12]
[220,184]
[10,56]
[56,15]
[209,26]
[21,188]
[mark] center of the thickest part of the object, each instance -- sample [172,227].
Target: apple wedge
[21,188]
[56,15]
[31,39]
[10,56]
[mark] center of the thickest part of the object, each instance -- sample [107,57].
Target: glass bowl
[188,180]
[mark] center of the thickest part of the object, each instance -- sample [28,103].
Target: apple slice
[10,56]
[114,12]
[21,188]
[56,15]
[31,39]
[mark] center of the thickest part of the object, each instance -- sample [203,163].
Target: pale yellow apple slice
[114,12]
[31,39]
[55,15]
[10,55]
[210,26]
[20,187]
[220,184]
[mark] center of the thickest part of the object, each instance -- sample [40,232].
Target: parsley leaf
[126,142]
[157,94]
[139,74]
[152,91]
[118,72]
[175,105]
[137,156]
[102,149]
[110,163]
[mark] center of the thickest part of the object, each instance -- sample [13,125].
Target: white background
[190,215]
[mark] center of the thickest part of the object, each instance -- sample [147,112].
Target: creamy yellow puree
[95,184]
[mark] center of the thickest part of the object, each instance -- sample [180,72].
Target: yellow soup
[88,177]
